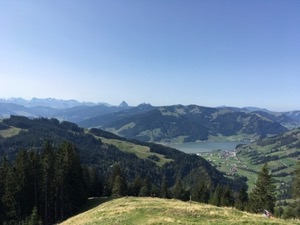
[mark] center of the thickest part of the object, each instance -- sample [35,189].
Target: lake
[207,146]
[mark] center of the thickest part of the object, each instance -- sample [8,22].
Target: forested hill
[99,149]
[187,123]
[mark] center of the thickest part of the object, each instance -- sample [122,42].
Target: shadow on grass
[93,202]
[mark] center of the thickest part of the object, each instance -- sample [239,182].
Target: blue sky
[210,53]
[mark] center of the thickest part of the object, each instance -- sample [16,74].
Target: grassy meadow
[142,152]
[143,210]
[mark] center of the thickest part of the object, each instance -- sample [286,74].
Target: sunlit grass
[142,152]
[12,131]
[136,211]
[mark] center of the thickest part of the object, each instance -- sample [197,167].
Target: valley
[172,151]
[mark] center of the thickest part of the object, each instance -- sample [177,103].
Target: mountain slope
[187,123]
[281,152]
[137,210]
[33,133]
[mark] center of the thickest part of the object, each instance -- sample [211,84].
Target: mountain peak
[124,104]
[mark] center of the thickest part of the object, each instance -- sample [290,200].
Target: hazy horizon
[131,105]
[209,53]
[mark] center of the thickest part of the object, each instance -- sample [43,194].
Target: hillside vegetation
[281,152]
[141,210]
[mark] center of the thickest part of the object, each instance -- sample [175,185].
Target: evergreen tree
[145,189]
[242,198]
[4,172]
[263,194]
[48,185]
[115,170]
[227,198]
[69,175]
[119,187]
[25,189]
[136,186]
[34,217]
[178,191]
[9,197]
[92,182]
[216,197]
[201,192]
[164,193]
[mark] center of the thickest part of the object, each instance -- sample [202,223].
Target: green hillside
[280,152]
[100,150]
[142,152]
[138,210]
[190,123]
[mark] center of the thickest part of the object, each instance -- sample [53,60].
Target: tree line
[49,186]
[46,187]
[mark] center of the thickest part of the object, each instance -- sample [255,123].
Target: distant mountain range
[145,122]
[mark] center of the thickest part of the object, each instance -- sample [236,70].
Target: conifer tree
[69,175]
[9,197]
[164,193]
[263,194]
[227,198]
[116,182]
[136,186]
[178,191]
[25,179]
[115,170]
[48,183]
[201,192]
[4,169]
[34,217]
[119,187]
[145,189]
[216,197]
[242,198]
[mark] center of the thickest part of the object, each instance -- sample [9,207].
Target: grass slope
[142,152]
[10,132]
[136,210]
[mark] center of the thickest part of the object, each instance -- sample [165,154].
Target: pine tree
[9,197]
[25,188]
[116,182]
[242,198]
[119,187]
[34,217]
[136,186]
[4,170]
[201,192]
[145,189]
[178,191]
[216,197]
[164,193]
[115,170]
[263,194]
[227,198]
[48,184]
[70,183]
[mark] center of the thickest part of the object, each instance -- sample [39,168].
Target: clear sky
[204,52]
